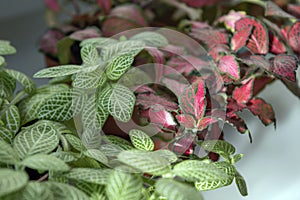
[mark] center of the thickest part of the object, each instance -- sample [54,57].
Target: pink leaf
[218,51]
[186,120]
[260,83]
[89,32]
[237,122]
[230,66]
[148,100]
[263,110]
[240,38]
[285,66]
[157,55]
[159,117]
[294,37]
[52,4]
[273,10]
[205,122]
[200,3]
[105,5]
[243,93]
[230,19]
[277,47]
[48,43]
[258,42]
[294,9]
[210,37]
[144,89]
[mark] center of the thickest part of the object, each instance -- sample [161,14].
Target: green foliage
[141,140]
[11,181]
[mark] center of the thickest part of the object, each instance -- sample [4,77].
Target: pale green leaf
[6,48]
[148,162]
[38,138]
[241,184]
[218,146]
[75,142]
[129,47]
[66,156]
[124,144]
[8,154]
[89,80]
[104,96]
[6,135]
[236,158]
[135,77]
[2,60]
[11,118]
[57,71]
[141,140]
[151,39]
[118,66]
[24,80]
[89,55]
[36,190]
[96,176]
[7,85]
[97,155]
[121,103]
[90,188]
[63,191]
[174,190]
[110,150]
[11,181]
[91,139]
[124,186]
[45,162]
[98,42]
[79,99]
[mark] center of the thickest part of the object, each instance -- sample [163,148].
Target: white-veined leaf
[38,138]
[7,154]
[236,158]
[6,48]
[97,155]
[91,139]
[6,135]
[110,150]
[63,191]
[45,162]
[24,80]
[96,176]
[57,71]
[174,190]
[98,42]
[66,156]
[11,181]
[7,85]
[154,162]
[124,144]
[151,39]
[141,140]
[218,146]
[90,188]
[11,117]
[118,66]
[89,55]
[75,142]
[241,184]
[121,103]
[104,96]
[36,190]
[124,186]
[127,47]
[89,80]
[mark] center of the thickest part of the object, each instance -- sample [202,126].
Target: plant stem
[43,178]
[150,182]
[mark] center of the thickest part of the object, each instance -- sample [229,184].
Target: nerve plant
[52,143]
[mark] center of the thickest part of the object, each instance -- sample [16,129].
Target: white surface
[271,165]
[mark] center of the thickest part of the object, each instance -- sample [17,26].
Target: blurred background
[271,164]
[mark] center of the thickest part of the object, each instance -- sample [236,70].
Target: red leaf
[237,122]
[200,101]
[240,38]
[144,89]
[105,5]
[148,100]
[294,37]
[205,122]
[260,83]
[230,19]
[52,4]
[258,42]
[200,3]
[294,87]
[284,66]
[273,10]
[89,32]
[186,120]
[173,50]
[257,61]
[230,66]
[157,55]
[244,93]
[294,10]
[123,18]
[277,47]
[210,37]
[263,110]
[159,117]
[218,51]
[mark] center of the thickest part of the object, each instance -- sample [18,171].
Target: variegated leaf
[96,176]
[241,184]
[124,144]
[7,154]
[36,190]
[118,66]
[6,48]
[89,55]
[218,146]
[11,181]
[151,39]
[11,117]
[58,71]
[97,155]
[141,140]
[26,82]
[7,85]
[75,142]
[91,138]
[6,135]
[98,42]
[89,80]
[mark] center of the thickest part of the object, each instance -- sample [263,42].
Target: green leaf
[36,190]
[6,135]
[96,176]
[90,188]
[89,55]
[121,103]
[195,170]
[128,47]
[2,60]
[124,186]
[63,191]
[124,144]
[236,158]
[38,138]
[118,66]
[7,85]
[64,50]
[91,139]
[75,142]
[8,154]
[24,80]
[174,190]
[66,156]
[11,118]
[110,150]
[90,80]
[6,48]
[98,42]
[104,96]
[57,71]
[151,39]
[218,146]
[93,115]
[11,181]
[148,162]
[45,162]
[241,184]
[141,140]
[97,155]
